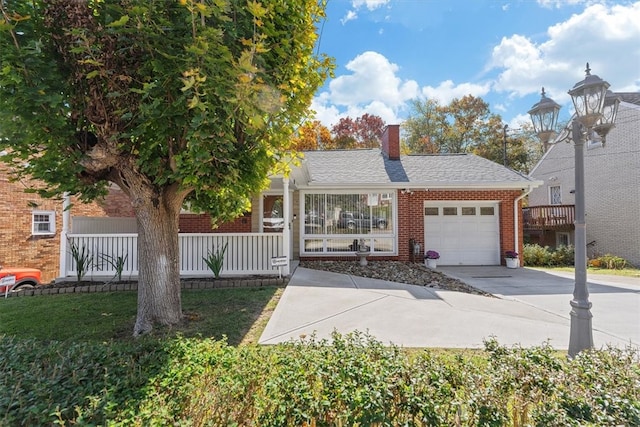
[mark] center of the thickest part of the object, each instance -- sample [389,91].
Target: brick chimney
[391,142]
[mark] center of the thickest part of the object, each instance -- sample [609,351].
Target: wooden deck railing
[549,217]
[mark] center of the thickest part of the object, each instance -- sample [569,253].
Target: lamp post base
[581,335]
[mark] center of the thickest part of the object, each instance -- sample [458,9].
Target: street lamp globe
[544,115]
[588,98]
[609,113]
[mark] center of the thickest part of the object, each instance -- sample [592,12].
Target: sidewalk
[411,316]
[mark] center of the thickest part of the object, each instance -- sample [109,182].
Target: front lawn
[69,359]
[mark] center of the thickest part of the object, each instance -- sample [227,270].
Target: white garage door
[464,233]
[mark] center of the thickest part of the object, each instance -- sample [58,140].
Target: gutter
[516,215]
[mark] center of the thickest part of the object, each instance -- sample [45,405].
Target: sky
[389,52]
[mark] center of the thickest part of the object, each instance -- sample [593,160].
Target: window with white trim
[43,223]
[335,223]
[555,195]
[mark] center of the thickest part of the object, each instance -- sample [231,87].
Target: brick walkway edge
[133,286]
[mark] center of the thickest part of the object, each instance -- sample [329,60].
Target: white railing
[248,253]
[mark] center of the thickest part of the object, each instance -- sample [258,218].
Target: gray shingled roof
[370,167]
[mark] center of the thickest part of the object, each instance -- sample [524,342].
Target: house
[391,206]
[31,226]
[612,190]
[463,206]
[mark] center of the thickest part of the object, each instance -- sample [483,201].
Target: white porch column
[286,231]
[66,219]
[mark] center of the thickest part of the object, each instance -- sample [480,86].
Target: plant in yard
[117,263]
[511,254]
[431,255]
[215,260]
[82,258]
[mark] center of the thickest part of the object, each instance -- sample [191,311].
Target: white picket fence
[249,253]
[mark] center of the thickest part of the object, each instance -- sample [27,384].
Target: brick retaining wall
[133,286]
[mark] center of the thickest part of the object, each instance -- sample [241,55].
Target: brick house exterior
[612,187]
[455,185]
[21,247]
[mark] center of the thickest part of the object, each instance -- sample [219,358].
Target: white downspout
[286,231]
[66,219]
[516,215]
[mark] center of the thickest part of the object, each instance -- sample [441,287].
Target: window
[43,223]
[273,219]
[431,211]
[468,211]
[486,210]
[449,211]
[334,221]
[562,239]
[555,196]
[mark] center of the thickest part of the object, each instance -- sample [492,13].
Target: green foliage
[608,261]
[467,125]
[215,260]
[347,380]
[536,255]
[82,258]
[200,96]
[117,262]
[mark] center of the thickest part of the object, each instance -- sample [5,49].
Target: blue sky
[388,52]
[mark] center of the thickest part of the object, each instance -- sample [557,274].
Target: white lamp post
[596,111]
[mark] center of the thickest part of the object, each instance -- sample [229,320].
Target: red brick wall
[391,142]
[201,223]
[19,247]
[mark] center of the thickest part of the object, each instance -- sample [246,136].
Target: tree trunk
[159,298]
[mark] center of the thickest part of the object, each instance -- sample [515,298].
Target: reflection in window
[273,220]
[486,210]
[337,220]
[468,211]
[449,211]
[431,211]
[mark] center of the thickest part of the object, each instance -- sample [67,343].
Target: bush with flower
[511,254]
[431,255]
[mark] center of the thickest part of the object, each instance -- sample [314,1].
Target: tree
[313,136]
[369,130]
[470,123]
[344,133]
[191,99]
[363,132]
[424,128]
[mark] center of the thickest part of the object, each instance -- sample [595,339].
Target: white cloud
[369,4]
[350,16]
[372,87]
[606,37]
[559,3]
[446,91]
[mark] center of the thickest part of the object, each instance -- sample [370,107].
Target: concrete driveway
[531,307]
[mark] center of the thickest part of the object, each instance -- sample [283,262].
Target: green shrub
[215,260]
[536,255]
[346,380]
[610,262]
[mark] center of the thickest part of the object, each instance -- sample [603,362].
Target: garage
[464,233]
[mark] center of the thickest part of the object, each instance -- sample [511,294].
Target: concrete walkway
[532,307]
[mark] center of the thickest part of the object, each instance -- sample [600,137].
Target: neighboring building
[612,190]
[31,226]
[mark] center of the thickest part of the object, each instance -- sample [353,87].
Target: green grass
[238,314]
[627,272]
